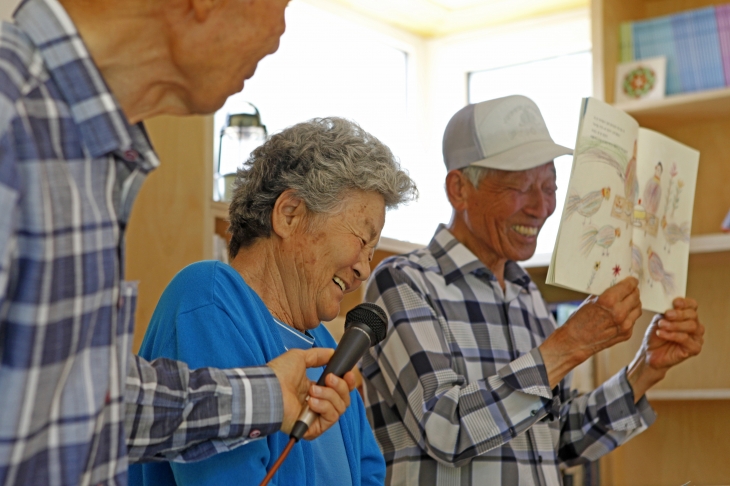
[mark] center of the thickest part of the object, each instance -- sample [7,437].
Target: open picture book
[628,211]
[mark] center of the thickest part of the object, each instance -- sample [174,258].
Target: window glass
[557,85]
[325,66]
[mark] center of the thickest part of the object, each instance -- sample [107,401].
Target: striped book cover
[697,47]
[627,43]
[722,12]
[654,38]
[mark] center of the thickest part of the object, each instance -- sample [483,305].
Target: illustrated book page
[628,209]
[662,218]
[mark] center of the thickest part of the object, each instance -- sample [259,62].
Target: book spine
[687,62]
[626,42]
[708,43]
[722,12]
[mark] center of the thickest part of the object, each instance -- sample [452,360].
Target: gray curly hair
[319,159]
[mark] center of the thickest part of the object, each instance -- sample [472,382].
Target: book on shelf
[699,60]
[696,44]
[654,38]
[628,211]
[723,33]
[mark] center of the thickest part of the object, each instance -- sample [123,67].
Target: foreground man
[471,385]
[76,78]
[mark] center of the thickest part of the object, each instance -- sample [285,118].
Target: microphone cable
[365,326]
[278,462]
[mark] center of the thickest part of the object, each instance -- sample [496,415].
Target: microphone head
[372,316]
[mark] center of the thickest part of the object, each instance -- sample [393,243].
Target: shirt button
[533,413]
[131,155]
[255,433]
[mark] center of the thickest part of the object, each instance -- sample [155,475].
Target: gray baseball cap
[506,133]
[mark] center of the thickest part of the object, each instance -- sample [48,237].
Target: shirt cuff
[257,403]
[622,413]
[528,375]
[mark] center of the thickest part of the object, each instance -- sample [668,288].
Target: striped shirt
[458,394]
[75,405]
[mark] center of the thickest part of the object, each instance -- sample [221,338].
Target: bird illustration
[658,273]
[653,190]
[587,205]
[595,151]
[637,261]
[674,232]
[603,237]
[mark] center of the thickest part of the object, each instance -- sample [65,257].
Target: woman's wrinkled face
[331,255]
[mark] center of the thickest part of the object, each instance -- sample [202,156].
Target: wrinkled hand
[674,336]
[671,338]
[599,323]
[329,402]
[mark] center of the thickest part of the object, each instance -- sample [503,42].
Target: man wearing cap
[471,385]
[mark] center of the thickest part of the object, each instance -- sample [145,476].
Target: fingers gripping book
[628,209]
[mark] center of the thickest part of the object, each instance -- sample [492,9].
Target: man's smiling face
[506,212]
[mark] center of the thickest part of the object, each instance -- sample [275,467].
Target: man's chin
[523,254]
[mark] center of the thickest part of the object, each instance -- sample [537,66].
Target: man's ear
[458,188]
[203,8]
[288,214]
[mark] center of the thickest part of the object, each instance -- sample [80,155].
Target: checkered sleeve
[177,414]
[594,424]
[8,196]
[451,420]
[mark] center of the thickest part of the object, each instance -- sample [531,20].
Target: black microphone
[365,326]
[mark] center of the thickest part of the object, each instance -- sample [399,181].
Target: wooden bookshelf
[692,401]
[695,107]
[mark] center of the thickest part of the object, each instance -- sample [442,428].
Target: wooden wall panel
[690,441]
[170,226]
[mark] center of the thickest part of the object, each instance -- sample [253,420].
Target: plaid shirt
[70,168]
[458,394]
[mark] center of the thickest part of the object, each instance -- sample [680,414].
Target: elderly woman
[307,212]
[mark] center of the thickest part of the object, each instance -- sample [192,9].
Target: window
[557,85]
[326,66]
[403,89]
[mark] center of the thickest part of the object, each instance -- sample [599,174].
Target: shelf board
[696,394]
[715,242]
[219,209]
[699,106]
[398,247]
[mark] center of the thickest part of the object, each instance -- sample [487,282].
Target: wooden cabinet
[691,437]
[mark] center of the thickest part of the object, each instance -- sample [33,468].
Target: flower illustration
[677,194]
[616,270]
[596,266]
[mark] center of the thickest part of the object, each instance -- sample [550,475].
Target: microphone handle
[352,347]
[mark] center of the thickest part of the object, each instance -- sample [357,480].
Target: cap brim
[524,157]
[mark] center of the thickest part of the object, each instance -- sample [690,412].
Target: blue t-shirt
[330,457]
[208,316]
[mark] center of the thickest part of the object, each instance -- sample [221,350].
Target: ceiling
[434,18]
